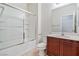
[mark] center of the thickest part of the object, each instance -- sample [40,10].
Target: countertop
[70,36]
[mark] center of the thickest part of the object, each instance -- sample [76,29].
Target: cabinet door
[52,46]
[69,48]
[77,48]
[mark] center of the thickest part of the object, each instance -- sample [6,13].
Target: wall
[44,20]
[58,12]
[33,8]
[58,5]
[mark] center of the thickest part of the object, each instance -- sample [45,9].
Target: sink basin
[72,36]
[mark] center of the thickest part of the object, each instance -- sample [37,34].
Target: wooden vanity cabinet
[62,47]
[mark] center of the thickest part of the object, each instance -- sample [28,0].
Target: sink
[72,36]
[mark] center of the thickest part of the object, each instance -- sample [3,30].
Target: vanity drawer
[69,42]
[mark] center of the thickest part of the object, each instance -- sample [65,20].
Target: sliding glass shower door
[11,26]
[16,26]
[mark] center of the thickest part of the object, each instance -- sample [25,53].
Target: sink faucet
[62,34]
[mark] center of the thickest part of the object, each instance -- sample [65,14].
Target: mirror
[64,18]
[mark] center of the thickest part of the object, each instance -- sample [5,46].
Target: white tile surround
[19,49]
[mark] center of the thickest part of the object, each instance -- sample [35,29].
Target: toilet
[41,47]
